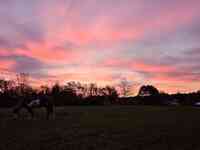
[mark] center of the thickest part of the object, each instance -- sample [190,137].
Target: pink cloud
[7,64]
[106,29]
[177,78]
[45,54]
[138,65]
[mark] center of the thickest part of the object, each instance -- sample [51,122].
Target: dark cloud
[195,52]
[187,66]
[188,57]
[27,64]
[30,32]
[19,24]
[22,34]
[24,63]
[10,45]
[67,45]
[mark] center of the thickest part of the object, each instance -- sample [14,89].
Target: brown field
[103,128]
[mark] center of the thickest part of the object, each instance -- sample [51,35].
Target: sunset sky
[103,41]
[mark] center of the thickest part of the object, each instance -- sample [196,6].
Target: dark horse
[40,101]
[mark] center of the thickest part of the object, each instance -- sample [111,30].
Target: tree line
[76,93]
[71,93]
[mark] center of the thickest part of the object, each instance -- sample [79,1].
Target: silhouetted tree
[148,90]
[44,89]
[5,85]
[149,95]
[111,94]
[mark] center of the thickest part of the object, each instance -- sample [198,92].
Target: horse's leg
[29,109]
[49,109]
[16,110]
[53,112]
[48,112]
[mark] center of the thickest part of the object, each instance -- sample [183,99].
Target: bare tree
[22,83]
[2,85]
[125,87]
[22,79]
[93,89]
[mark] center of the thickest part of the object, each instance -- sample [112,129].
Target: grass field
[104,128]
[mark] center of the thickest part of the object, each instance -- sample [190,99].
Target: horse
[41,101]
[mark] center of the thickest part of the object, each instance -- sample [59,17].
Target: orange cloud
[7,64]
